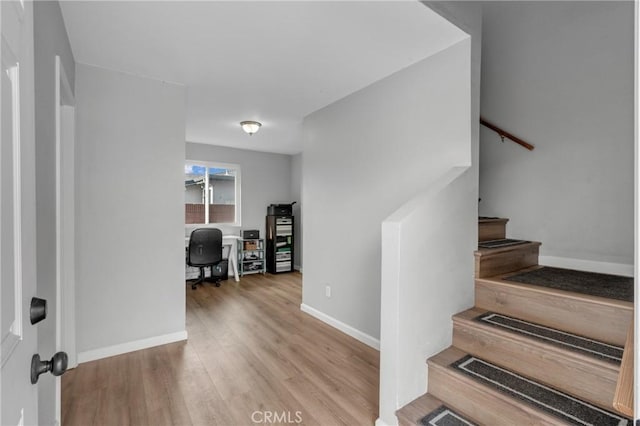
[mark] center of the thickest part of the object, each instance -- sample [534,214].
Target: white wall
[265,180]
[296,195]
[130,243]
[560,76]
[50,39]
[364,156]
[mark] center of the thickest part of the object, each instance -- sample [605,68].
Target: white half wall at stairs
[427,276]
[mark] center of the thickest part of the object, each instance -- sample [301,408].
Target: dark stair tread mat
[444,416]
[556,403]
[559,338]
[503,242]
[589,283]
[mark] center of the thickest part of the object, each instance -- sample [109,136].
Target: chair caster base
[195,284]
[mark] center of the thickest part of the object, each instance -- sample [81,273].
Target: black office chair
[205,249]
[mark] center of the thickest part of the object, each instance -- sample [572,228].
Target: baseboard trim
[587,265]
[346,329]
[136,345]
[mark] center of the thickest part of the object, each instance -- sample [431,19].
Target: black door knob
[57,366]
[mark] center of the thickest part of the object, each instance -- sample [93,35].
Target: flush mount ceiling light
[250,126]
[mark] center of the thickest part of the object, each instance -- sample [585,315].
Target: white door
[18,397]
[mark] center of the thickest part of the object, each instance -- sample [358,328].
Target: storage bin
[221,270]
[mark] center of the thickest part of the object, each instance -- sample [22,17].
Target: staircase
[540,346]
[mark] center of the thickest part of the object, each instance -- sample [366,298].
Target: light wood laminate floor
[252,358]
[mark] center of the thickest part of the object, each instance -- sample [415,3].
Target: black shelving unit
[280,244]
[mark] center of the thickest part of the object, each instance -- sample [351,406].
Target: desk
[228,241]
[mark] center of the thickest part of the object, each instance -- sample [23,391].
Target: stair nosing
[495,220]
[488,252]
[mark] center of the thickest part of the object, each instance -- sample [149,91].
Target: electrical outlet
[327,291]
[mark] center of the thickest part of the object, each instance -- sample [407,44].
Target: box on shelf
[250,245]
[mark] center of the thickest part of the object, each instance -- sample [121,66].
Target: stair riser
[506,261]
[606,322]
[576,375]
[488,231]
[481,404]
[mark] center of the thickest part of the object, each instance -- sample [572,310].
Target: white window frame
[238,190]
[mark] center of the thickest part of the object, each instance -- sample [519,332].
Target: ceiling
[274,62]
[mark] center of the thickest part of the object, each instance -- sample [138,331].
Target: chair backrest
[205,246]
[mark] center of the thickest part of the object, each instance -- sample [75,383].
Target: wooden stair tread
[425,405]
[446,357]
[475,400]
[469,316]
[503,280]
[486,403]
[413,412]
[574,371]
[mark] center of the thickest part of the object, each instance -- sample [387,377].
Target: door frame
[65,219]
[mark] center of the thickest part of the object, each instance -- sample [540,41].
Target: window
[211,193]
